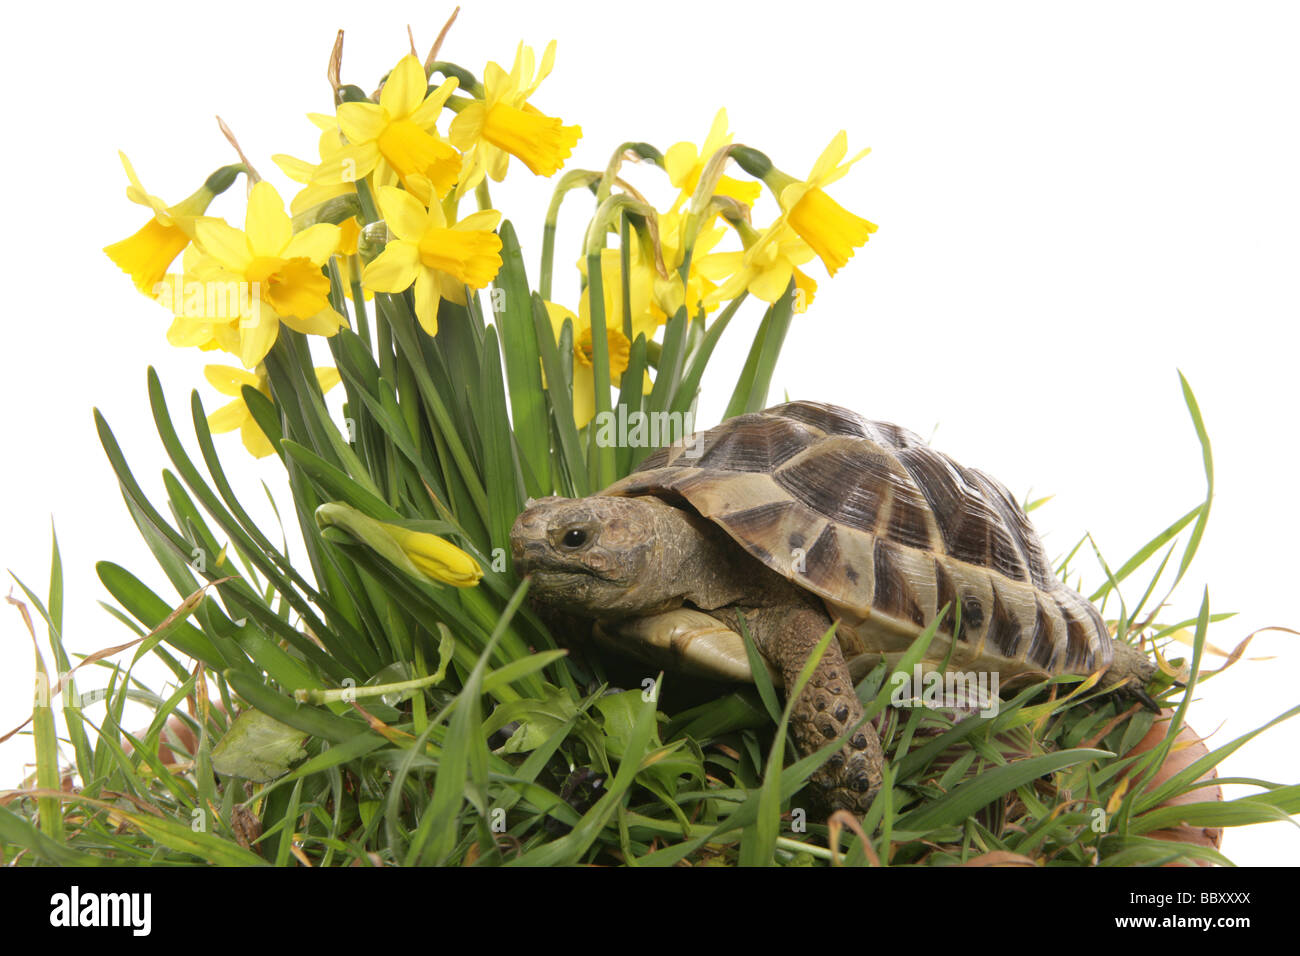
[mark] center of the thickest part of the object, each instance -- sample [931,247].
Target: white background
[1074,200]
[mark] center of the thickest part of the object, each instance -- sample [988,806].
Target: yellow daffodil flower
[439,259]
[146,255]
[329,145]
[684,164]
[504,124]
[699,286]
[831,230]
[205,307]
[395,139]
[314,194]
[648,292]
[281,269]
[584,380]
[764,269]
[229,380]
[647,316]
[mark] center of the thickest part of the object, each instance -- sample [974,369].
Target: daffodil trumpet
[147,254]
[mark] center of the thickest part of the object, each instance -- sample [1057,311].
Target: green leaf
[500,472]
[258,747]
[690,383]
[1204,515]
[756,377]
[519,341]
[558,394]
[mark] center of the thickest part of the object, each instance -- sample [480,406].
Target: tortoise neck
[711,570]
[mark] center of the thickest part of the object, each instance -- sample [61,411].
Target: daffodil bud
[436,557]
[752,161]
[370,243]
[335,211]
[418,553]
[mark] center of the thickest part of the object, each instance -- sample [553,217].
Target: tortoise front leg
[828,706]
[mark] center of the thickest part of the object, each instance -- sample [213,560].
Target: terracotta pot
[1188,749]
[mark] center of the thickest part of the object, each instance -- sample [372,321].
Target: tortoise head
[602,556]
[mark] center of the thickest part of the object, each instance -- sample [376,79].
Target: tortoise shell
[887,531]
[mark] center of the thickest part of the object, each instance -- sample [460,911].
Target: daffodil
[648,292]
[205,307]
[416,552]
[831,230]
[435,557]
[764,269]
[684,164]
[146,255]
[584,375]
[281,270]
[395,139]
[646,317]
[229,380]
[439,259]
[503,124]
[328,146]
[699,285]
[314,193]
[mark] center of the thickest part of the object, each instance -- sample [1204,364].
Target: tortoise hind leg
[828,706]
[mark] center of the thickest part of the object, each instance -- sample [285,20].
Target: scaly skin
[612,559]
[828,706]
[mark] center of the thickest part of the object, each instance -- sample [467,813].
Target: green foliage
[507,755]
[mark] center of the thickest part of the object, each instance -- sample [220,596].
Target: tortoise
[798,516]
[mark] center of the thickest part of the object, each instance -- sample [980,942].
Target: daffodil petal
[719,265]
[316,243]
[257,335]
[228,417]
[770,284]
[299,170]
[228,380]
[325,122]
[426,114]
[348,165]
[830,157]
[267,224]
[325,322]
[679,162]
[426,300]
[584,395]
[406,216]
[557,314]
[394,269]
[223,242]
[404,89]
[254,439]
[327,376]
[361,122]
[485,220]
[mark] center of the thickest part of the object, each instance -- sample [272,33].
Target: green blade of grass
[519,342]
[463,757]
[971,796]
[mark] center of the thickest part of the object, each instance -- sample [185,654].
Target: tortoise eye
[574,538]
